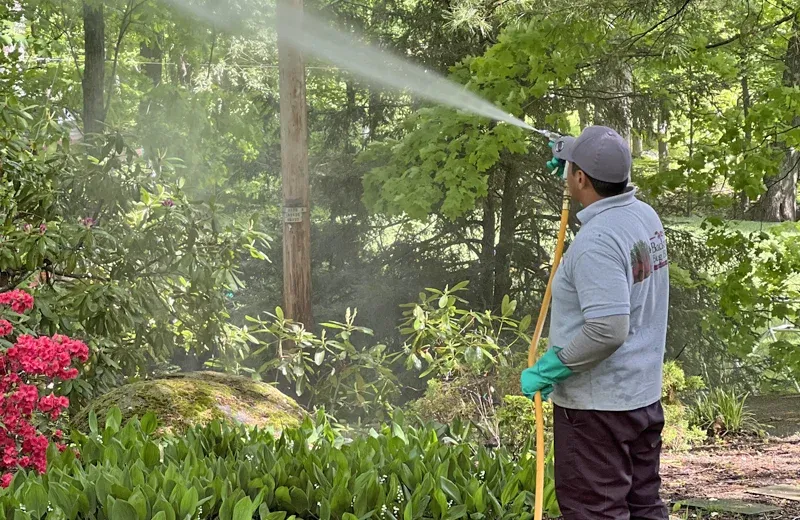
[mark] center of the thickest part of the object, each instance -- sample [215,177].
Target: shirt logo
[647,259]
[641,262]
[658,250]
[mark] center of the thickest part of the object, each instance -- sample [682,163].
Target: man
[607,338]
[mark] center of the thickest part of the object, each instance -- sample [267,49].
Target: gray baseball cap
[599,151]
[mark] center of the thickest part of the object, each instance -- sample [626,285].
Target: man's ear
[580,177]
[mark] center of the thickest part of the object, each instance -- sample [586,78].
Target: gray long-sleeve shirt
[610,304]
[596,341]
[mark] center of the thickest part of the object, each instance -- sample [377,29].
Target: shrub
[28,367]
[448,341]
[225,472]
[443,402]
[119,251]
[679,434]
[722,413]
[517,423]
[340,369]
[675,383]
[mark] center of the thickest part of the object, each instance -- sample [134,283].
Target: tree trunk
[375,113]
[489,225]
[153,57]
[584,117]
[350,108]
[663,138]
[638,144]
[94,27]
[779,203]
[153,69]
[614,107]
[742,201]
[505,246]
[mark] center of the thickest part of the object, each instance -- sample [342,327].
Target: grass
[693,224]
[724,413]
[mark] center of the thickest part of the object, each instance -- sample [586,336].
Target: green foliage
[679,433]
[117,251]
[237,474]
[758,288]
[443,160]
[731,283]
[516,420]
[445,340]
[331,368]
[722,412]
[473,360]
[675,382]
[444,402]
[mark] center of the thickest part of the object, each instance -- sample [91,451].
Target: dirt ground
[728,471]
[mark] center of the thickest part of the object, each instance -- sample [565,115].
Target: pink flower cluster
[50,357]
[18,300]
[31,363]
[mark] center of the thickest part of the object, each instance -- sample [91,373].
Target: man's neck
[590,198]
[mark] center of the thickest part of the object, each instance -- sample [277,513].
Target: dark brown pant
[607,463]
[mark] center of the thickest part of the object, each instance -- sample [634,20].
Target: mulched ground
[729,470]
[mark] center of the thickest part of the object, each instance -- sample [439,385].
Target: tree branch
[123,29]
[637,37]
[730,40]
[72,51]
[763,28]
[211,55]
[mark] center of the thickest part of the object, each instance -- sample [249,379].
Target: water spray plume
[314,37]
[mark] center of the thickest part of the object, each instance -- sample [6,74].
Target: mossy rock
[196,398]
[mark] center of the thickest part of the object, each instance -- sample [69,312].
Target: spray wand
[558,166]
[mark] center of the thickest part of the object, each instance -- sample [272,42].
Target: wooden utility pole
[294,169]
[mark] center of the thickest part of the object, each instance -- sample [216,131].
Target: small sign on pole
[293,215]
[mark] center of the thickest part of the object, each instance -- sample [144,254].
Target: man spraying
[607,338]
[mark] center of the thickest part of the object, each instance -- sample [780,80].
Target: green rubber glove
[555,164]
[548,371]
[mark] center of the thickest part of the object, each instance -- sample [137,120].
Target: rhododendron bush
[29,369]
[115,248]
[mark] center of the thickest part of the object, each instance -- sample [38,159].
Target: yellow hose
[537,334]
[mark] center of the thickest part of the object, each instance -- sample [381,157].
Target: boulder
[196,398]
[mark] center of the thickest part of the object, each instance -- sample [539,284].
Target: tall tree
[779,203]
[94,30]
